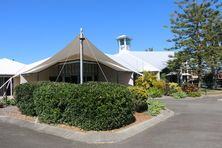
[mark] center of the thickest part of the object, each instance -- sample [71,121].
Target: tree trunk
[199,71]
[199,80]
[214,78]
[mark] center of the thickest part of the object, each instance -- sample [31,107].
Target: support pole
[11,90]
[81,38]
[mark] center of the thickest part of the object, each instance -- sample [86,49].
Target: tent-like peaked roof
[10,67]
[71,51]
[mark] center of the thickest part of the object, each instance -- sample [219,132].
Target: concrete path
[196,124]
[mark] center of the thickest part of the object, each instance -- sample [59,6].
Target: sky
[31,30]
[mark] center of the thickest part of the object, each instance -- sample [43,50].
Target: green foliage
[100,106]
[196,28]
[146,80]
[7,102]
[194,94]
[190,88]
[10,102]
[208,80]
[51,100]
[155,106]
[179,95]
[140,96]
[91,106]
[24,98]
[2,103]
[160,84]
[155,92]
[172,88]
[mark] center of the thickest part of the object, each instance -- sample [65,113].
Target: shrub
[140,96]
[7,102]
[155,106]
[99,106]
[146,80]
[10,102]
[160,84]
[2,103]
[91,106]
[194,94]
[179,95]
[24,98]
[190,88]
[172,88]
[50,101]
[155,92]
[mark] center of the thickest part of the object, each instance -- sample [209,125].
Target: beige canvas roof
[71,51]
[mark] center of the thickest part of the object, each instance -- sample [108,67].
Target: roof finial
[81,33]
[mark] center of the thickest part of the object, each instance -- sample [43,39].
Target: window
[121,41]
[71,73]
[127,41]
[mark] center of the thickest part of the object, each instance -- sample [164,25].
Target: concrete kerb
[189,98]
[91,136]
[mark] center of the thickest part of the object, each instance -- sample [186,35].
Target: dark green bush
[24,98]
[140,96]
[99,106]
[91,106]
[50,101]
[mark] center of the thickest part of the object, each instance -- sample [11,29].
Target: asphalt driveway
[196,124]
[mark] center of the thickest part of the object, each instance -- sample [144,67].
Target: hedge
[24,96]
[100,106]
[91,106]
[25,99]
[50,101]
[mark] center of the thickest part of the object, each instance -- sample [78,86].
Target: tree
[213,38]
[149,49]
[190,27]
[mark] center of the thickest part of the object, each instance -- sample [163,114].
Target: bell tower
[124,43]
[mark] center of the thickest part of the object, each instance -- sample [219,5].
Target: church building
[81,61]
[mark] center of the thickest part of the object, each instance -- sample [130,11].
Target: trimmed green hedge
[51,100]
[91,106]
[100,106]
[24,96]
[25,99]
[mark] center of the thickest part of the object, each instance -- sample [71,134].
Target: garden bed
[13,111]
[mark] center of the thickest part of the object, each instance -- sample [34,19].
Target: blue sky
[31,30]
